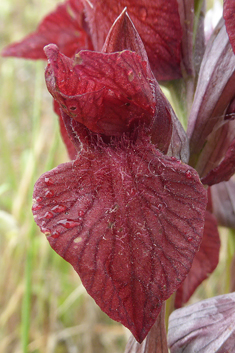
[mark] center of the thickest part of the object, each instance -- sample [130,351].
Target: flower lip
[135,222]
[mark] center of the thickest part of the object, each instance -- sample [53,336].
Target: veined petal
[157,22]
[204,262]
[179,144]
[229,16]
[124,36]
[224,170]
[109,93]
[72,152]
[64,27]
[186,13]
[207,326]
[155,341]
[80,136]
[223,203]
[129,220]
[216,149]
[215,90]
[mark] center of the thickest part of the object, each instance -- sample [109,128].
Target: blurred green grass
[43,305]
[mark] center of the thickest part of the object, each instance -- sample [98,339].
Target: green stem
[178,99]
[170,307]
[26,305]
[230,257]
[197,10]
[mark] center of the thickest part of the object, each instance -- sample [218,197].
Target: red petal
[229,16]
[157,22]
[155,342]
[72,152]
[110,93]
[186,12]
[129,220]
[179,144]
[123,35]
[207,326]
[107,93]
[64,27]
[204,262]
[80,136]
[223,201]
[224,170]
[216,147]
[215,89]
[230,112]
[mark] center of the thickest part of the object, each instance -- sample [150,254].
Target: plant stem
[25,314]
[170,307]
[197,9]
[177,90]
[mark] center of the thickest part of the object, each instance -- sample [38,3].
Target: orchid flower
[128,217]
[130,211]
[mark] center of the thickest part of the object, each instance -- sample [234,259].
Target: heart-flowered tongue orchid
[126,213]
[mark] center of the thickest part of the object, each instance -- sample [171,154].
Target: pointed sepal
[157,22]
[63,26]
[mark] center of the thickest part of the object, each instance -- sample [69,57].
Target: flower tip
[4,52]
[124,12]
[9,50]
[51,50]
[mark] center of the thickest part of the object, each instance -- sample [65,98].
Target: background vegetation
[43,306]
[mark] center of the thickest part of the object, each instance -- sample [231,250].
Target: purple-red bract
[204,262]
